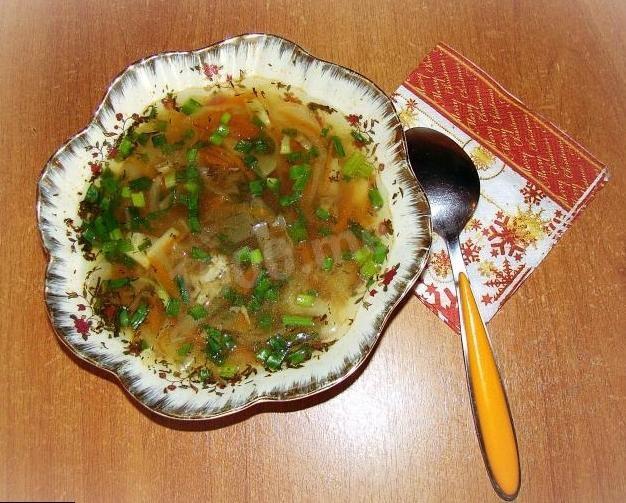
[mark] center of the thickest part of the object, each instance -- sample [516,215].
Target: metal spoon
[452,186]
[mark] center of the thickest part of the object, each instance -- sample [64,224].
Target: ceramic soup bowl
[232,62]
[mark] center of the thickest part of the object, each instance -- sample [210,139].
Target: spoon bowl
[448,176]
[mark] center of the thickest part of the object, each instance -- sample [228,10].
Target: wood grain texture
[400,431]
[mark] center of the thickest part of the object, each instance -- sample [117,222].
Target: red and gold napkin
[535,179]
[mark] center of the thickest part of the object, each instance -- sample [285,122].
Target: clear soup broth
[235,228]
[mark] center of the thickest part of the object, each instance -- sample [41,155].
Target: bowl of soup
[235,225]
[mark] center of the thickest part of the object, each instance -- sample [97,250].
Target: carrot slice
[242,127]
[222,99]
[209,122]
[221,158]
[162,274]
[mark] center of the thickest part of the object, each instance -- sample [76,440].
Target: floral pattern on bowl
[228,63]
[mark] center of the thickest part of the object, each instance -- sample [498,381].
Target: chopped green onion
[359,136]
[357,166]
[190,106]
[258,122]
[200,254]
[142,138]
[222,130]
[244,146]
[367,237]
[277,343]
[325,131]
[327,263]
[109,221]
[123,317]
[194,224]
[300,174]
[243,255]
[116,283]
[197,312]
[274,361]
[297,230]
[124,246]
[225,118]
[338,146]
[182,288]
[158,140]
[126,147]
[250,161]
[378,249]
[228,371]
[109,246]
[92,194]
[375,198]
[289,199]
[299,356]
[218,344]
[108,183]
[216,139]
[362,255]
[185,349]
[137,199]
[136,220]
[369,269]
[263,354]
[254,304]
[139,316]
[380,253]
[300,184]
[125,193]
[172,308]
[256,187]
[204,374]
[256,256]
[105,203]
[116,234]
[89,234]
[294,320]
[192,155]
[305,299]
[265,321]
[264,145]
[144,245]
[322,214]
[298,171]
[264,290]
[232,296]
[192,187]
[272,294]
[139,184]
[273,184]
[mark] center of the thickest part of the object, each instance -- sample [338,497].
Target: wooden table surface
[402,430]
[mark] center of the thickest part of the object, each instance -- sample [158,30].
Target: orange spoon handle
[489,403]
